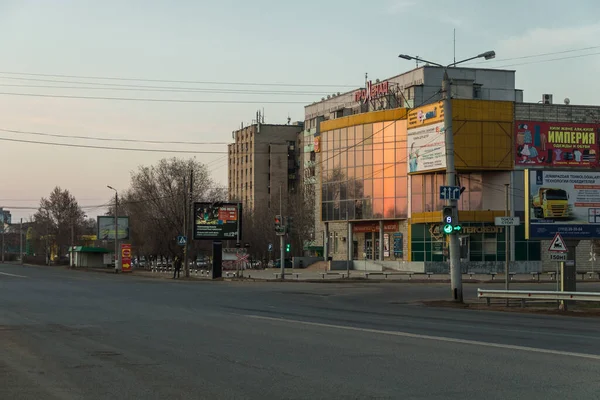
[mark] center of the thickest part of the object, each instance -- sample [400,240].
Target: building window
[476,91]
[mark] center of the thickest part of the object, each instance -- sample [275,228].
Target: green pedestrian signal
[288,247]
[448,228]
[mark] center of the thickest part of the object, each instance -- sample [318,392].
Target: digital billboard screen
[217,221]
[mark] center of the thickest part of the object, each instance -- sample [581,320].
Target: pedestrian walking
[177,265]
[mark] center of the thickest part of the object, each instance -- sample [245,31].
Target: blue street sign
[181,240]
[449,193]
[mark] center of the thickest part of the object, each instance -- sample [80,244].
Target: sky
[213,64]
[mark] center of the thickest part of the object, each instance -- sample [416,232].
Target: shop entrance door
[369,248]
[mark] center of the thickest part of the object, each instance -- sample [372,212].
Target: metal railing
[525,295]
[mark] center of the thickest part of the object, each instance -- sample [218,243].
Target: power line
[110,139]
[144,88]
[153,100]
[174,81]
[84,146]
[549,60]
[113,148]
[535,55]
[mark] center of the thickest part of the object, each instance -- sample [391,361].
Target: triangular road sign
[558,244]
[181,240]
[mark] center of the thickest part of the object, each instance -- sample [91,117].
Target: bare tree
[155,203]
[59,216]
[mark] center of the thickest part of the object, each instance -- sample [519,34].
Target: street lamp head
[110,187]
[406,57]
[488,55]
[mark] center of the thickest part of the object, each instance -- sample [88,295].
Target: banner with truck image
[567,202]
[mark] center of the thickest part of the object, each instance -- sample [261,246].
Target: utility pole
[3,229]
[116,229]
[21,240]
[507,241]
[281,237]
[348,246]
[455,272]
[116,232]
[184,228]
[188,218]
[72,264]
[47,233]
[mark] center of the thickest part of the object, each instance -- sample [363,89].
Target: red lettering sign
[362,227]
[372,91]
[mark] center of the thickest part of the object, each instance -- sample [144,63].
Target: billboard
[426,148]
[106,228]
[218,221]
[556,144]
[564,202]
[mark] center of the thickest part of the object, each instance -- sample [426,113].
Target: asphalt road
[77,335]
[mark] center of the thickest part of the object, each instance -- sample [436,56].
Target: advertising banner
[398,245]
[556,144]
[386,244]
[426,115]
[217,221]
[426,148]
[126,257]
[563,202]
[106,228]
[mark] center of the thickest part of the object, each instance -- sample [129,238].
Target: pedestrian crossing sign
[181,240]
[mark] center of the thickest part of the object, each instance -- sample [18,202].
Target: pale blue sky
[327,42]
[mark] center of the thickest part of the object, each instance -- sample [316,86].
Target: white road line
[16,276]
[436,338]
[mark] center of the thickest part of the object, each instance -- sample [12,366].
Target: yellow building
[381,174]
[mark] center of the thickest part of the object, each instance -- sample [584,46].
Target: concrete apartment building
[262,159]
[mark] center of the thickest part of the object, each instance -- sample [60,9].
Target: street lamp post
[454,249]
[116,228]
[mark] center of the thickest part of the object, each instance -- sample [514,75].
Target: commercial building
[262,160]
[355,153]
[375,158]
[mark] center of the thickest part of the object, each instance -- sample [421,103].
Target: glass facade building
[364,172]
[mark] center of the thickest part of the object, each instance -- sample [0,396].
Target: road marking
[436,338]
[16,276]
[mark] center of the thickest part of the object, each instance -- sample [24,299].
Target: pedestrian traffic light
[448,216]
[450,223]
[288,248]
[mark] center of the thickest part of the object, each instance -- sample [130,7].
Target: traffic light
[279,227]
[450,224]
[288,248]
[288,224]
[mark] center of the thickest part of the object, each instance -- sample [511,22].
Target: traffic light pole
[282,255]
[454,249]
